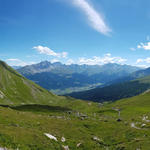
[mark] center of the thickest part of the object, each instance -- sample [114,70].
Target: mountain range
[109,82]
[132,85]
[61,78]
[33,118]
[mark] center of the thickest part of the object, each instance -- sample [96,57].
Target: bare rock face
[50,136]
[79,144]
[63,139]
[1,148]
[95,138]
[65,147]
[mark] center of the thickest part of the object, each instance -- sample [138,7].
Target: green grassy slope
[23,127]
[15,89]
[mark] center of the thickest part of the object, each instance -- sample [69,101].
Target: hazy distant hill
[116,91]
[16,67]
[137,74]
[57,76]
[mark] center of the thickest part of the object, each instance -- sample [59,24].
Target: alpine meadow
[74,75]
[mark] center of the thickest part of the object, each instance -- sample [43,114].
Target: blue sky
[75,31]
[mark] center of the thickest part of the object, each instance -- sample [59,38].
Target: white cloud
[101,60]
[18,62]
[145,46]
[64,54]
[95,18]
[107,55]
[48,51]
[139,60]
[13,59]
[146,60]
[144,63]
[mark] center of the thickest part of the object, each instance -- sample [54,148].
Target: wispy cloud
[143,62]
[48,51]
[145,46]
[13,59]
[107,58]
[146,60]
[18,62]
[95,18]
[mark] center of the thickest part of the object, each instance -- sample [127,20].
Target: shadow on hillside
[38,108]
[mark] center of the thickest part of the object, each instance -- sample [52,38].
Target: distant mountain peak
[57,63]
[44,63]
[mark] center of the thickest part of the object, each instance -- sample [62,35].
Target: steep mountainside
[57,76]
[115,91]
[15,89]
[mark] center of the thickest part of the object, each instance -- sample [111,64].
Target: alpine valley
[63,79]
[33,118]
[74,74]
